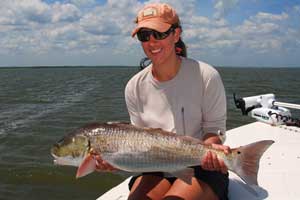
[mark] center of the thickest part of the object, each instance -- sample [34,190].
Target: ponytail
[180,48]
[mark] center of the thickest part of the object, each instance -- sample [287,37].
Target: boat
[279,171]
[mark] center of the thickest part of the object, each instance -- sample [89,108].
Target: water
[39,105]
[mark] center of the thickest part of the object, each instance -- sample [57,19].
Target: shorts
[216,180]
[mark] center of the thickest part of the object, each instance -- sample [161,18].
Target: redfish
[136,150]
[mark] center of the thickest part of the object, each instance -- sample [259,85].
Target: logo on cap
[150,12]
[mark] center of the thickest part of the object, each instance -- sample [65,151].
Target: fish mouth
[53,152]
[60,160]
[66,156]
[67,160]
[56,158]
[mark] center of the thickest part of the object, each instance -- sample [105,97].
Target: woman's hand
[211,162]
[103,166]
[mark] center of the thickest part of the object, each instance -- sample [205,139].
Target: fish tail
[246,162]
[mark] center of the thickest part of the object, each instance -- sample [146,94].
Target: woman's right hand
[103,166]
[211,162]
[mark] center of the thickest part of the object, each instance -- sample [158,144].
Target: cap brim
[152,24]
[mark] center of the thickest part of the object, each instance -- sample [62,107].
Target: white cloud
[297,8]
[199,21]
[83,27]
[264,33]
[98,24]
[22,12]
[223,7]
[65,12]
[254,28]
[35,26]
[83,3]
[262,16]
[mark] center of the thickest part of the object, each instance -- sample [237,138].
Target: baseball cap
[156,16]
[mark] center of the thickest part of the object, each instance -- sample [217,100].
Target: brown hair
[180,48]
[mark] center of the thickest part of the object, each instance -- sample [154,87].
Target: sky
[245,33]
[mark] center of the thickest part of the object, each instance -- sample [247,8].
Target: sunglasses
[144,34]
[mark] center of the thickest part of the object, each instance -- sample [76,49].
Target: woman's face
[160,51]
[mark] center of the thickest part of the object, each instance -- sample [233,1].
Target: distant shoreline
[67,66]
[115,66]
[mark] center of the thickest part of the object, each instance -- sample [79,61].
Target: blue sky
[97,32]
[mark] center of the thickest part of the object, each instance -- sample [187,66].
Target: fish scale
[138,151]
[133,149]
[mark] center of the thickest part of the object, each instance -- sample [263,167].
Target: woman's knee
[149,187]
[197,190]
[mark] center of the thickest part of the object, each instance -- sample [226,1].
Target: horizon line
[132,66]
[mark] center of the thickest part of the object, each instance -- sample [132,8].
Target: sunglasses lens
[159,36]
[144,35]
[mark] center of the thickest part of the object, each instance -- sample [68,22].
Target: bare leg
[195,191]
[149,187]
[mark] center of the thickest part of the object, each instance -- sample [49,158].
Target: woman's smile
[155,51]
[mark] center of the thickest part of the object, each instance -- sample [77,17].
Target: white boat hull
[279,171]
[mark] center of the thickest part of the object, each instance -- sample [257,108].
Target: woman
[179,95]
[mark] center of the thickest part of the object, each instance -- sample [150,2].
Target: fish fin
[87,166]
[247,159]
[185,175]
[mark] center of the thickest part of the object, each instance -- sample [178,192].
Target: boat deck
[279,171]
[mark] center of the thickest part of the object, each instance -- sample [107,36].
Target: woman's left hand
[211,162]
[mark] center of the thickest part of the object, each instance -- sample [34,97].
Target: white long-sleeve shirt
[192,103]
